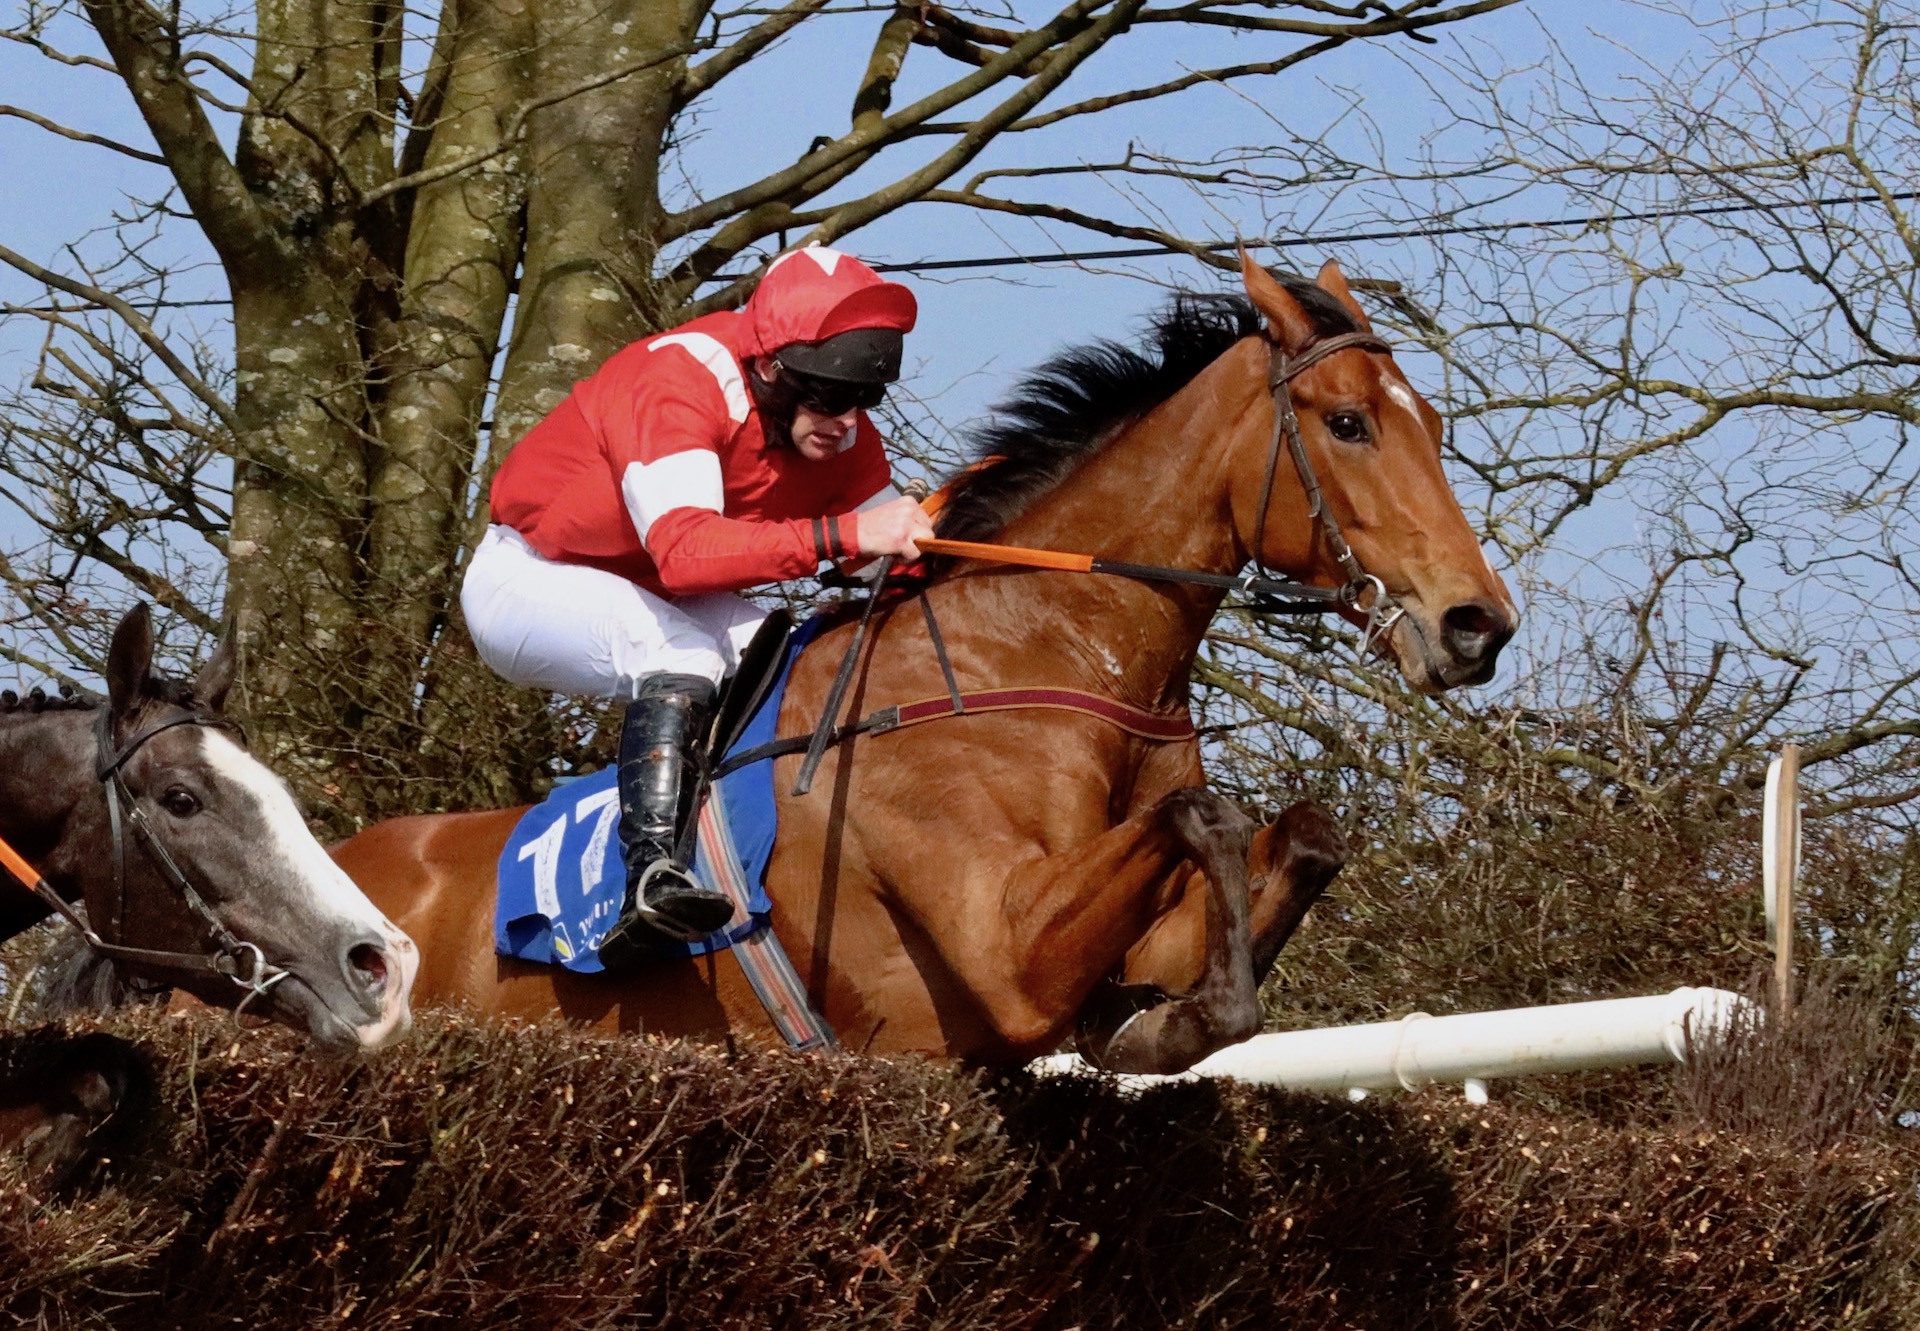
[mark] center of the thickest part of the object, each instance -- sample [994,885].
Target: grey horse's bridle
[240,961]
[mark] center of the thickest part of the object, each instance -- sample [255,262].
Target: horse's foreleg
[1291,862]
[1221,1005]
[59,1113]
[1030,946]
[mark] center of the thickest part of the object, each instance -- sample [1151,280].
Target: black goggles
[832,397]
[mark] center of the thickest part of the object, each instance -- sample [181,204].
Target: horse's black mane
[178,692]
[1064,411]
[70,978]
[39,700]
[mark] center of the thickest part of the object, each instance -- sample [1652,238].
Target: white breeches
[587,632]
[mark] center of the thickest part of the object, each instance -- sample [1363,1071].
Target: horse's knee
[1210,824]
[100,1076]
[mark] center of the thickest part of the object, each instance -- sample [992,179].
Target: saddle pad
[561,878]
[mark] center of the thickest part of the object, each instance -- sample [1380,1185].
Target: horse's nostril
[369,963]
[1474,631]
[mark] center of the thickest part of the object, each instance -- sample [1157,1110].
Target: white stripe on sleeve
[719,362]
[687,479]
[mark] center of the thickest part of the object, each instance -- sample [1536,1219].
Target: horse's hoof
[1316,849]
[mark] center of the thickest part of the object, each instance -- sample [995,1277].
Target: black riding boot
[661,746]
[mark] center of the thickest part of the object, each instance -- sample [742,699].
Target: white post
[1780,866]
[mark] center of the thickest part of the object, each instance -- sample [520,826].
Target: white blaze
[1400,393]
[297,857]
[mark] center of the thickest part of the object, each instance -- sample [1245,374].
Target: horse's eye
[180,803]
[1349,427]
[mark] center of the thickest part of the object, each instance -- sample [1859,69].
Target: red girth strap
[1160,726]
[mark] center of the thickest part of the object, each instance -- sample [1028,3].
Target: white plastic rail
[1419,1050]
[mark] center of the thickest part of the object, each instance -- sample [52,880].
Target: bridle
[1382,612]
[240,961]
[1262,593]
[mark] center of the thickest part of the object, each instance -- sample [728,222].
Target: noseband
[240,961]
[1383,611]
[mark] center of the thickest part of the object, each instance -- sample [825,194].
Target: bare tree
[408,253]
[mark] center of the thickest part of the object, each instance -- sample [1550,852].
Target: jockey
[731,451]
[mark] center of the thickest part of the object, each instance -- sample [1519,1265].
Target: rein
[1269,596]
[240,961]
[1266,595]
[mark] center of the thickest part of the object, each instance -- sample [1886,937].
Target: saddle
[762,665]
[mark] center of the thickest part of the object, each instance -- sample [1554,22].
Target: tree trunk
[593,214]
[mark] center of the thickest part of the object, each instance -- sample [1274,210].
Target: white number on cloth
[594,858]
[545,851]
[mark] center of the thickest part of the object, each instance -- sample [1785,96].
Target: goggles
[832,397]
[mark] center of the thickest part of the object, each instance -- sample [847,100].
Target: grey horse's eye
[180,802]
[1349,427]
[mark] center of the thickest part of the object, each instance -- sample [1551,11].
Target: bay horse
[981,886]
[194,869]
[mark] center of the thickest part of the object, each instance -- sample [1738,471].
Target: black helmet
[857,356]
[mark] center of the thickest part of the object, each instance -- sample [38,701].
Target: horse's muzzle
[1472,634]
[375,979]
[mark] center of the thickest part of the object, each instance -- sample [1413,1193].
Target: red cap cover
[811,294]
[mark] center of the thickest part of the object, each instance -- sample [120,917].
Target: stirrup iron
[664,872]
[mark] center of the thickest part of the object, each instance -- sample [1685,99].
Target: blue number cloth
[561,875]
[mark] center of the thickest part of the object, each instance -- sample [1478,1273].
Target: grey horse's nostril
[368,964]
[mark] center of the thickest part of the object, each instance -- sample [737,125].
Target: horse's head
[1374,445]
[244,852]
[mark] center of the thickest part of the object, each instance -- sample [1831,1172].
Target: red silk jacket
[656,467]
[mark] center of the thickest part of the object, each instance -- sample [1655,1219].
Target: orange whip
[16,864]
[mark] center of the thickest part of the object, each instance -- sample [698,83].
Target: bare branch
[61,57]
[703,77]
[135,321]
[81,136]
[863,143]
[856,213]
[1255,69]
[1207,253]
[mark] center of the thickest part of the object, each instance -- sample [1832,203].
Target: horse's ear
[130,660]
[1334,282]
[1289,323]
[216,676]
